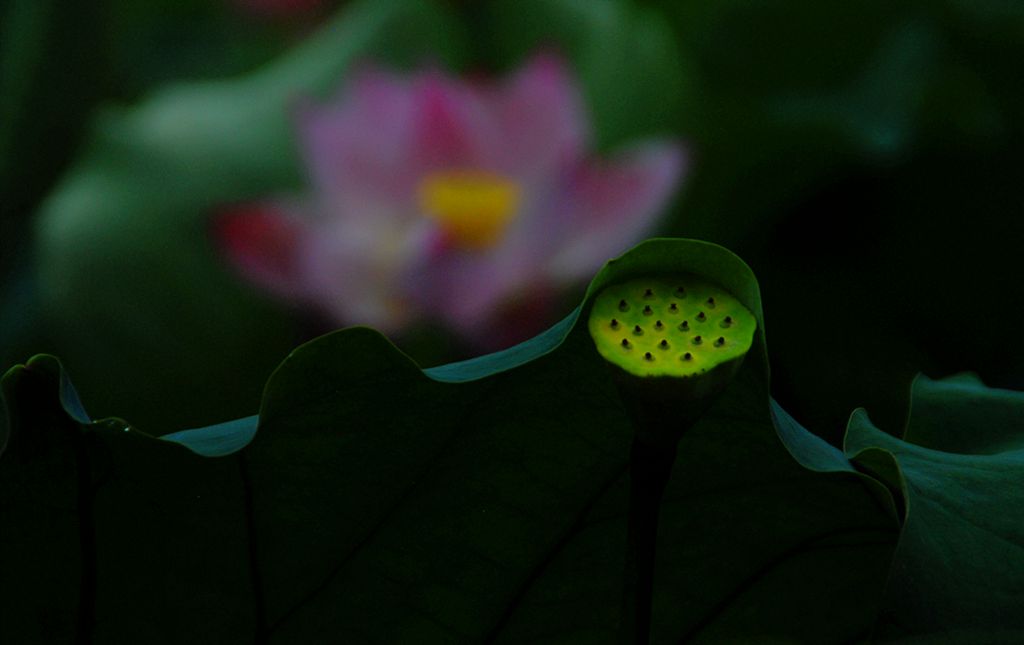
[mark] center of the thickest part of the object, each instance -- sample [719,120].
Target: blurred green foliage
[45,52]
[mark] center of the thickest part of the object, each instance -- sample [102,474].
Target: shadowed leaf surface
[481,500]
[958,573]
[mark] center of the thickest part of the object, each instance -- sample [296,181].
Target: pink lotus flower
[439,199]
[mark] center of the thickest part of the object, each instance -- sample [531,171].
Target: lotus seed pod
[673,343]
[672,338]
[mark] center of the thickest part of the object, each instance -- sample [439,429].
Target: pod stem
[649,471]
[657,430]
[673,344]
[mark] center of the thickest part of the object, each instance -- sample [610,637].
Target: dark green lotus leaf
[958,574]
[752,546]
[41,544]
[111,532]
[378,502]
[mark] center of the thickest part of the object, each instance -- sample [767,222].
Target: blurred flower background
[190,188]
[436,199]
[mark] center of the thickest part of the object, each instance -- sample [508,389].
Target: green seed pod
[673,343]
[692,358]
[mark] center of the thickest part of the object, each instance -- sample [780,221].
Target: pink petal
[487,301]
[612,206]
[262,242]
[600,210]
[463,287]
[376,143]
[451,129]
[356,148]
[540,118]
[459,289]
[353,268]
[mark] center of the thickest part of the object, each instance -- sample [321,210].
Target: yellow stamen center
[474,208]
